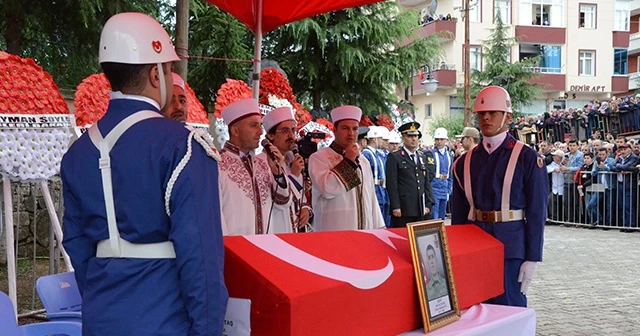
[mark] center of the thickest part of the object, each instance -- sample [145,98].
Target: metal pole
[467,67]
[258,49]
[55,223]
[11,256]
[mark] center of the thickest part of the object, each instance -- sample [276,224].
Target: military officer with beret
[408,179]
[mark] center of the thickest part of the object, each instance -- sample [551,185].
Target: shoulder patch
[540,162]
[430,160]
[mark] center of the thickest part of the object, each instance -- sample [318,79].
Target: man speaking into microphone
[342,182]
[280,125]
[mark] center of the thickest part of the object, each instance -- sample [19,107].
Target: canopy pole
[11,256]
[257,50]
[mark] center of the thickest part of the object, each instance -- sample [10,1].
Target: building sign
[587,88]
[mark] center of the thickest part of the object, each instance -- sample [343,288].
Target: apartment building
[583,45]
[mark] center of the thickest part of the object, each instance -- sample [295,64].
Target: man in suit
[408,180]
[627,177]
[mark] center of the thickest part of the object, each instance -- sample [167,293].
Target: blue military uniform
[441,187]
[523,237]
[378,170]
[184,295]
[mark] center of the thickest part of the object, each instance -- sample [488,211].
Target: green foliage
[351,56]
[63,36]
[214,33]
[453,124]
[514,76]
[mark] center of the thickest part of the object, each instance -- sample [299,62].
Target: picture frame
[434,274]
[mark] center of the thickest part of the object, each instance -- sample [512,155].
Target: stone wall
[29,207]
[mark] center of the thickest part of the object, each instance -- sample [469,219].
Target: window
[475,11]
[638,64]
[587,63]
[542,12]
[502,8]
[620,62]
[621,15]
[588,16]
[475,58]
[550,56]
[427,111]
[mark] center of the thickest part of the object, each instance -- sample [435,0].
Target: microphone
[294,148]
[265,145]
[291,154]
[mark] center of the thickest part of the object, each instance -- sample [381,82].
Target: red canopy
[279,12]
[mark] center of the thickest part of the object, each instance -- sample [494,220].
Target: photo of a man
[437,285]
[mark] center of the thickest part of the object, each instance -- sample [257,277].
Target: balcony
[550,81]
[621,39]
[445,28]
[619,83]
[446,76]
[634,44]
[634,5]
[541,34]
[633,81]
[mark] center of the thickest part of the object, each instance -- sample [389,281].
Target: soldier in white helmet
[501,186]
[442,182]
[142,216]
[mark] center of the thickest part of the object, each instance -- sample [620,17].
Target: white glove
[526,275]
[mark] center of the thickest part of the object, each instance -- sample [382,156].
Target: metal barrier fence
[610,201]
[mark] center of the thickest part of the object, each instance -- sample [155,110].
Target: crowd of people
[597,120]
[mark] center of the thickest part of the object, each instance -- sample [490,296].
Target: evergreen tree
[515,77]
[352,56]
[214,33]
[63,36]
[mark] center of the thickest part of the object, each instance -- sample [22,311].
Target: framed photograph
[434,276]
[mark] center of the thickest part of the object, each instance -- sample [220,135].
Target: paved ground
[588,283]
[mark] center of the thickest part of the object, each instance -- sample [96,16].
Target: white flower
[279,102]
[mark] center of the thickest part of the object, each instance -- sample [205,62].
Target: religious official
[408,184]
[251,185]
[343,194]
[280,125]
[177,109]
[371,152]
[501,186]
[142,216]
[442,184]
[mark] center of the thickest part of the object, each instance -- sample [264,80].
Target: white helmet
[136,38]
[373,133]
[384,132]
[395,138]
[440,133]
[492,98]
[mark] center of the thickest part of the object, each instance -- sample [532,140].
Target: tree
[453,124]
[515,77]
[63,36]
[351,56]
[214,33]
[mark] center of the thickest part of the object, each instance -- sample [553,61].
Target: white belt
[163,250]
[497,216]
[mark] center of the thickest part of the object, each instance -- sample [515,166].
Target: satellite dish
[432,7]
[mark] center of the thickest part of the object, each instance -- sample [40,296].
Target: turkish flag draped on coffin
[350,282]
